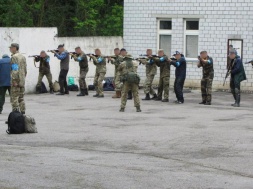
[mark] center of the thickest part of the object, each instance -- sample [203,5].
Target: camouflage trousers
[117,83]
[49,78]
[206,90]
[148,85]
[17,98]
[135,90]
[98,83]
[163,87]
[82,82]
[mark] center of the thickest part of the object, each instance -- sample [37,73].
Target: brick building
[190,27]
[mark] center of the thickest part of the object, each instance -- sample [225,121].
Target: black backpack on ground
[108,85]
[16,123]
[73,87]
[41,89]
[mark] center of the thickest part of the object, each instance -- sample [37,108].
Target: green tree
[71,17]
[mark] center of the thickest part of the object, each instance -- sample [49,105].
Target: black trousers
[2,95]
[63,80]
[178,88]
[235,87]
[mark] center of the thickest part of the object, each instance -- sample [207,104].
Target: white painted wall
[220,20]
[33,40]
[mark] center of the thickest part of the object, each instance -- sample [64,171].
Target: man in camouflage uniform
[100,63]
[44,70]
[151,71]
[84,68]
[116,61]
[130,79]
[162,61]
[206,63]
[18,75]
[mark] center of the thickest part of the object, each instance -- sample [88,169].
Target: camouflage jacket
[208,72]
[18,69]
[116,61]
[82,59]
[164,65]
[100,63]
[123,69]
[44,64]
[151,68]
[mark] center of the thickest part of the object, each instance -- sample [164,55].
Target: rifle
[72,53]
[250,62]
[113,56]
[227,74]
[140,59]
[149,55]
[33,56]
[53,50]
[90,54]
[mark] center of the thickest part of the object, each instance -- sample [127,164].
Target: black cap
[122,49]
[60,46]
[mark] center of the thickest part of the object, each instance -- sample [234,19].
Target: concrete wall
[220,20]
[33,40]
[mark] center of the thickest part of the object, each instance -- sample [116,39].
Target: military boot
[129,95]
[117,94]
[122,110]
[81,93]
[51,91]
[138,109]
[86,92]
[96,95]
[154,97]
[147,97]
[234,95]
[238,98]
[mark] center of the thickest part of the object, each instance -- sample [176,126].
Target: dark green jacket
[237,71]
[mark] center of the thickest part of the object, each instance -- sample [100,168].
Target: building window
[191,33]
[164,35]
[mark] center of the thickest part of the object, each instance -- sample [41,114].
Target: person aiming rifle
[44,70]
[236,69]
[100,63]
[80,56]
[63,56]
[151,71]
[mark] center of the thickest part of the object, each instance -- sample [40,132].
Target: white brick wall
[220,20]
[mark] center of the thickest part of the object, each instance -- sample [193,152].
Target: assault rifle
[90,54]
[113,56]
[140,59]
[53,50]
[227,74]
[72,53]
[155,56]
[250,62]
[33,56]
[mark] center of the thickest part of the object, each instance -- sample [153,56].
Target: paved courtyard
[86,143]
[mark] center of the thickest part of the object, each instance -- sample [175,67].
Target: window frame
[163,32]
[190,33]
